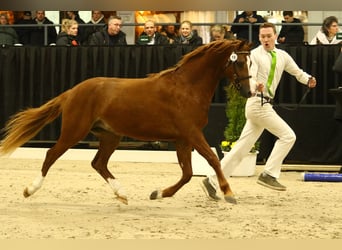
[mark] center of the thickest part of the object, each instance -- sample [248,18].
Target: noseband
[232,60]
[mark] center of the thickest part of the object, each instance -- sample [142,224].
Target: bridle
[232,60]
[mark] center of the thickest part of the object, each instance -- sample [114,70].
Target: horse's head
[237,66]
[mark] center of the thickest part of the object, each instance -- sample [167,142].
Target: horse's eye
[240,64]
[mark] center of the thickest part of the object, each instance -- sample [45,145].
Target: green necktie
[271,74]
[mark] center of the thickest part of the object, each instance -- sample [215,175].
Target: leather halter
[232,61]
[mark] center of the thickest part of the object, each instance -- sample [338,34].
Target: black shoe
[270,182]
[209,189]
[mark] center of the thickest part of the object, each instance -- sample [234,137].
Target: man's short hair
[288,13]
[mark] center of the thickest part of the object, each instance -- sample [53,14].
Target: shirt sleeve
[293,69]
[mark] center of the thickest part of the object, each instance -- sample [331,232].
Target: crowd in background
[107,31]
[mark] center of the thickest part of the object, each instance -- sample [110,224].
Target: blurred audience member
[150,36]
[242,31]
[38,32]
[170,32]
[110,34]
[220,32]
[68,34]
[98,21]
[24,33]
[327,33]
[187,35]
[291,34]
[8,36]
[81,34]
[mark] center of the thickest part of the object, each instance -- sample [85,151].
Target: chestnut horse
[171,106]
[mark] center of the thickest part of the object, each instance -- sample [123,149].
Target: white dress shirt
[261,64]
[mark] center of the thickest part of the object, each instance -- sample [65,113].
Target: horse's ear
[241,44]
[245,44]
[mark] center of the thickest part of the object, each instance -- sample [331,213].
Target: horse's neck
[205,77]
[202,80]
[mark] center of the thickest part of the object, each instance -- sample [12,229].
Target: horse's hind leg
[184,159]
[51,156]
[68,138]
[108,143]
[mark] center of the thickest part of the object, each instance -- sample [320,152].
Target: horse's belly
[143,128]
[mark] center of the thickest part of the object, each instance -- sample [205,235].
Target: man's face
[249,12]
[40,15]
[96,15]
[288,19]
[267,38]
[149,28]
[170,29]
[114,26]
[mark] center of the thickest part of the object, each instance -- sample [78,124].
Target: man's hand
[260,87]
[312,82]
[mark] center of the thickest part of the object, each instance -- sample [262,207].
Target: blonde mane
[215,47]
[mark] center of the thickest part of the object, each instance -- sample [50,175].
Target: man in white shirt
[260,114]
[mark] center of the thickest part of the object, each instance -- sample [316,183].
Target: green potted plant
[235,112]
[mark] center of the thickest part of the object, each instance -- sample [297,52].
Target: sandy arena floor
[76,203]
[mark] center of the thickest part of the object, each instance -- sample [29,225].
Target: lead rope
[300,102]
[308,89]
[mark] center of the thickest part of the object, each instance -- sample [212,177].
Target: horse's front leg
[203,148]
[108,143]
[34,186]
[184,159]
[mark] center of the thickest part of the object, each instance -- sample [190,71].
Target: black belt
[267,98]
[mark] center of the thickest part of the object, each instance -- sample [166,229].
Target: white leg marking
[159,195]
[36,184]
[119,191]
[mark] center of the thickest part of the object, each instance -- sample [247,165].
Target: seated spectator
[291,34]
[242,31]
[8,36]
[327,33]
[219,32]
[187,35]
[98,21]
[38,33]
[68,34]
[24,33]
[150,36]
[170,32]
[110,34]
[81,34]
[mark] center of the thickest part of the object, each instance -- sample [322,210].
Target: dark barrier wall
[319,135]
[30,76]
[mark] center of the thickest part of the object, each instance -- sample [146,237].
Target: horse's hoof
[123,199]
[26,193]
[230,199]
[156,195]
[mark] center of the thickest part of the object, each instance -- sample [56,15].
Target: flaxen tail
[24,125]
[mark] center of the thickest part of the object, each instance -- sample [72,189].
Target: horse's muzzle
[246,94]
